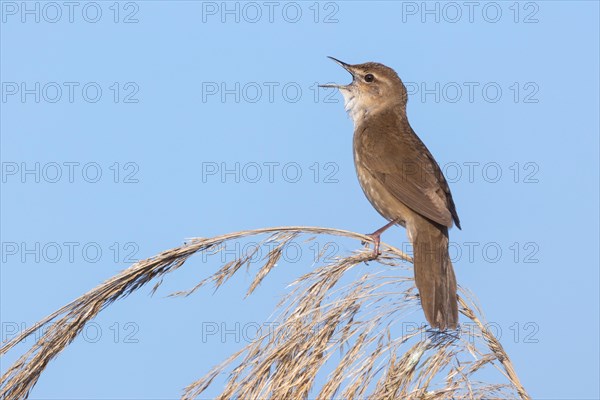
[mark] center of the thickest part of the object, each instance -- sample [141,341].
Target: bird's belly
[382,200]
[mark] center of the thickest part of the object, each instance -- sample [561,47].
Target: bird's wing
[402,163]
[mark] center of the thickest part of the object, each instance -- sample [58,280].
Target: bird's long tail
[434,275]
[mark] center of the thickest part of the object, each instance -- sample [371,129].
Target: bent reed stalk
[332,339]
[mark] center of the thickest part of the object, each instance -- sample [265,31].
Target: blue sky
[128,127]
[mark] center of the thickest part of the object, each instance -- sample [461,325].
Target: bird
[403,182]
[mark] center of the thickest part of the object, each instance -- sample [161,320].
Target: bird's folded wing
[407,169]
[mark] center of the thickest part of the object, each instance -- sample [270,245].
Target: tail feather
[434,275]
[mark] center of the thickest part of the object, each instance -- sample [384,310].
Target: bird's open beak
[347,67]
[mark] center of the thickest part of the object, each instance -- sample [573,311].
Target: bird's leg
[376,236]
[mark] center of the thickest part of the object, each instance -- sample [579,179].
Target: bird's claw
[375,253]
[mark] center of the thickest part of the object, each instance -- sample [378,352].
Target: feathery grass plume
[335,336]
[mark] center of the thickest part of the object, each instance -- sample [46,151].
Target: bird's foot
[376,237]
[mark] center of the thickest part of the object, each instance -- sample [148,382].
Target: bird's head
[374,87]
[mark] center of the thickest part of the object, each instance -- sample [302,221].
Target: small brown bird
[403,182]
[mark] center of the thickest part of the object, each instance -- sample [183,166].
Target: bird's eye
[369,78]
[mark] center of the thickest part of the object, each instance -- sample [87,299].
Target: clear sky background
[164,100]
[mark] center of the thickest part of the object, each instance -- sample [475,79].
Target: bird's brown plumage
[403,182]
